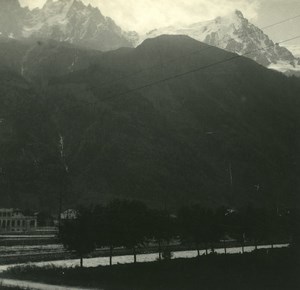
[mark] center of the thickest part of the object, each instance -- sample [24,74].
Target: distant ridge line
[194,70]
[198,51]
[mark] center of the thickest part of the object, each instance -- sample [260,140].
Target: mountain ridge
[64,20]
[236,34]
[84,25]
[171,143]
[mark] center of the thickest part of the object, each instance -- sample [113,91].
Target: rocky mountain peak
[235,17]
[59,2]
[239,13]
[64,20]
[63,5]
[234,33]
[61,9]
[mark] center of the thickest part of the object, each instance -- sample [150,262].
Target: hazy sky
[144,15]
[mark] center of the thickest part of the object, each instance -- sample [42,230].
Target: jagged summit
[235,16]
[239,13]
[234,33]
[62,3]
[77,23]
[64,20]
[84,25]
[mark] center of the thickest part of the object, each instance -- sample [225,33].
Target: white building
[13,220]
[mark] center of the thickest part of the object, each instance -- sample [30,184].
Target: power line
[280,22]
[194,70]
[187,55]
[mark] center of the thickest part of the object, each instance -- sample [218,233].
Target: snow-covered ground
[104,261]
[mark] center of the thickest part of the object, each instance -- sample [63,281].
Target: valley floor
[276,269]
[124,256]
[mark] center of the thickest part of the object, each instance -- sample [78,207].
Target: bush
[167,254]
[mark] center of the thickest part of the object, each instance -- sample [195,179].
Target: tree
[192,224]
[112,227]
[161,228]
[212,230]
[101,224]
[294,229]
[220,216]
[237,225]
[252,224]
[263,225]
[78,234]
[134,224]
[44,219]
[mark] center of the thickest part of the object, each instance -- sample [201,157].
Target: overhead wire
[281,22]
[194,70]
[136,73]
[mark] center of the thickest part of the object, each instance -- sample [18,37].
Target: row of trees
[127,224]
[132,224]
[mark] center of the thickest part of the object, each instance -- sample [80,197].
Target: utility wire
[136,73]
[194,70]
[280,22]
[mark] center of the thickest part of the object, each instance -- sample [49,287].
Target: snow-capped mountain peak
[235,33]
[235,18]
[64,20]
[84,25]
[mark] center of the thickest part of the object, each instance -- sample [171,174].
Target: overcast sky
[144,15]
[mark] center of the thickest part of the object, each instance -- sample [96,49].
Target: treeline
[132,224]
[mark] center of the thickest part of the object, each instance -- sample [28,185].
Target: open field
[264,269]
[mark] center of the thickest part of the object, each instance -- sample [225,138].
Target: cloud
[32,3]
[144,15]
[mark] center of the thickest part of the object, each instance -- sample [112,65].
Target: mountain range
[125,124]
[170,121]
[236,34]
[84,26]
[64,20]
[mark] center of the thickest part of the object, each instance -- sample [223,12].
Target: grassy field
[262,270]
